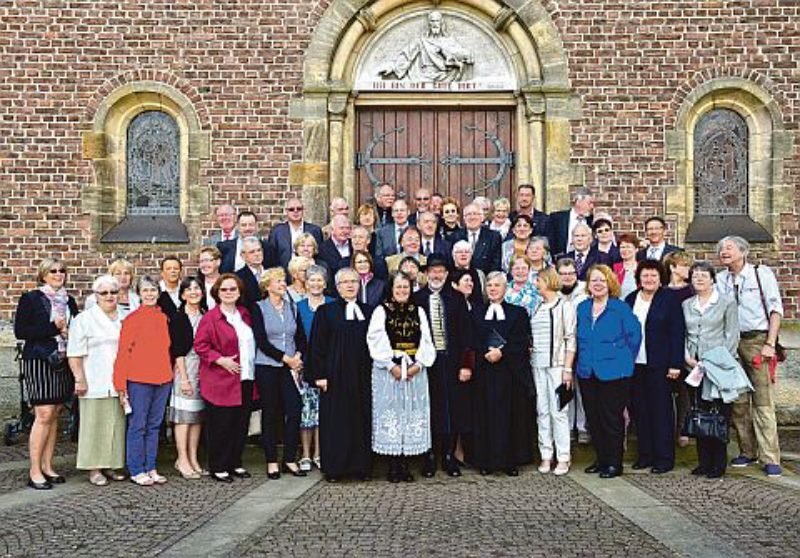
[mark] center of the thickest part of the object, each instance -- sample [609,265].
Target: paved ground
[533,515]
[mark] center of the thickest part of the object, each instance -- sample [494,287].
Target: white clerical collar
[352,311]
[495,311]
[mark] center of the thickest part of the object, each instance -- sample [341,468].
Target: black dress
[504,393]
[338,353]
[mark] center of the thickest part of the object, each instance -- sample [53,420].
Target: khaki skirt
[101,436]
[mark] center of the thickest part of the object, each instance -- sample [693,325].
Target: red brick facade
[241,63]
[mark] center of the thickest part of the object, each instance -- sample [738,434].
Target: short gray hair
[461,244]
[344,271]
[249,240]
[544,241]
[497,275]
[146,281]
[580,193]
[316,270]
[103,280]
[740,243]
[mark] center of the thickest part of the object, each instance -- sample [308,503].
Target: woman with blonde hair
[208,262]
[42,322]
[280,348]
[127,300]
[297,272]
[553,332]
[500,221]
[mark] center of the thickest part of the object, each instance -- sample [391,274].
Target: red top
[619,269]
[216,338]
[143,354]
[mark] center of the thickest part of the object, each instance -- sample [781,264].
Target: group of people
[458,335]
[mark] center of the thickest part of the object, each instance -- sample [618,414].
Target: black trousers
[226,432]
[654,416]
[712,454]
[605,404]
[278,391]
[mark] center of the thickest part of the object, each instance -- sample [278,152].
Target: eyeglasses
[229,289]
[107,293]
[59,270]
[207,260]
[450,211]
[423,198]
[603,230]
[293,209]
[567,273]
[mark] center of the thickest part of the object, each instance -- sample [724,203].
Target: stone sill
[711,228]
[140,229]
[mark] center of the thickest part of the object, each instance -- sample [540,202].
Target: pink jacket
[619,270]
[216,338]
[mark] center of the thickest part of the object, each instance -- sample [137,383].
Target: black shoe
[699,471]
[218,478]
[450,465]
[660,470]
[592,469]
[485,472]
[715,474]
[405,474]
[296,472]
[240,473]
[429,464]
[365,477]
[54,479]
[512,472]
[274,475]
[640,465]
[44,485]
[330,479]
[610,472]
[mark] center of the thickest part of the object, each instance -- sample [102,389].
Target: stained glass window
[720,163]
[153,164]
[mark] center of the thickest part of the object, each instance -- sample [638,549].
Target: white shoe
[544,468]
[305,464]
[562,468]
[156,478]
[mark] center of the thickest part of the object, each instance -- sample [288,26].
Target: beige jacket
[563,321]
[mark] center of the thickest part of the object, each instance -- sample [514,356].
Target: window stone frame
[769,144]
[104,200]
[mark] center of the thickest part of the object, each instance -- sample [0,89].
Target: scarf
[59,307]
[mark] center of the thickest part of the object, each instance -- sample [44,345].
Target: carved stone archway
[541,94]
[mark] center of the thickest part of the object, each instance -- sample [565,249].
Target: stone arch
[543,97]
[769,145]
[105,146]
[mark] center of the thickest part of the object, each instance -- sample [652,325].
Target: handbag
[780,350]
[702,423]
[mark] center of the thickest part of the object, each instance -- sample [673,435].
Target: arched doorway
[466,98]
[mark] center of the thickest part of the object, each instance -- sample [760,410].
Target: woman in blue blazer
[658,366]
[608,342]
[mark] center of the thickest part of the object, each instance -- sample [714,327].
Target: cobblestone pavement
[758,517]
[533,515]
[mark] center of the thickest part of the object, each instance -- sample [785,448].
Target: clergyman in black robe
[503,389]
[341,367]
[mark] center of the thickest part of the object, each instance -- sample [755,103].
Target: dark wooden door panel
[454,152]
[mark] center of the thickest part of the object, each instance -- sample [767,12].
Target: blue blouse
[307,314]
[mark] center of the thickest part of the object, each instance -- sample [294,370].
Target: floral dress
[309,415]
[527,297]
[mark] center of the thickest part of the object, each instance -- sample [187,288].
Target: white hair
[461,244]
[740,243]
[105,280]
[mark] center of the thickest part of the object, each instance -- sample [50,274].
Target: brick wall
[241,61]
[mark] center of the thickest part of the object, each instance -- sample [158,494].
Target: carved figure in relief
[434,57]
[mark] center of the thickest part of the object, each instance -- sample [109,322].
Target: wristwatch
[769,344]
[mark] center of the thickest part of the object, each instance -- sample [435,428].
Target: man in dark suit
[336,251]
[526,196]
[423,204]
[283,235]
[231,250]
[562,223]
[486,243]
[430,242]
[384,202]
[388,236]
[226,219]
[585,255]
[250,273]
[656,231]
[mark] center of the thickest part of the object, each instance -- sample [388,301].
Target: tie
[437,323]
[427,248]
[473,238]
[651,253]
[579,262]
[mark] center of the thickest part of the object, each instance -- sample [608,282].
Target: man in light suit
[562,223]
[388,236]
[226,219]
[283,235]
[656,230]
[485,243]
[231,250]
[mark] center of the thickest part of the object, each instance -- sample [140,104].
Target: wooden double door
[457,152]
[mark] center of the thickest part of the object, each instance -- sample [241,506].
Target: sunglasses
[229,289]
[423,198]
[59,270]
[294,209]
[107,293]
[604,230]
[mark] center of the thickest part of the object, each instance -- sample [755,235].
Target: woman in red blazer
[625,270]
[226,347]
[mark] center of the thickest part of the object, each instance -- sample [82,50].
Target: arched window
[721,163]
[153,165]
